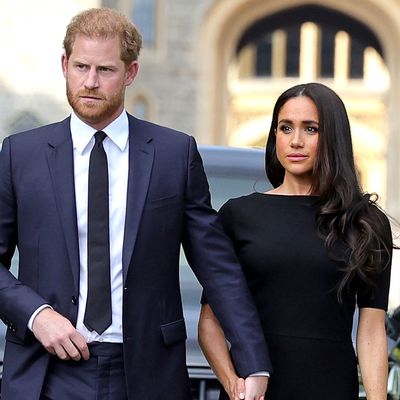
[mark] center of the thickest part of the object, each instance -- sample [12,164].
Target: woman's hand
[255,387]
[235,388]
[215,348]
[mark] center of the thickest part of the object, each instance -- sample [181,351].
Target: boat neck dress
[294,286]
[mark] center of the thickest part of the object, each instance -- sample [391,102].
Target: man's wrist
[34,315]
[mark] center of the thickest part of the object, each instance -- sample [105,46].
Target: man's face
[96,79]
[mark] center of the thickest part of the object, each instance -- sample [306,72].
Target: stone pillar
[342,58]
[309,52]
[279,53]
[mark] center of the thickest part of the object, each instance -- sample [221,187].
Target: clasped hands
[251,388]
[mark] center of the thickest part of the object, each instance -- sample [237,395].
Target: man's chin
[93,113]
[90,113]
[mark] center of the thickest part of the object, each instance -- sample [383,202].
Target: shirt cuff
[260,373]
[33,316]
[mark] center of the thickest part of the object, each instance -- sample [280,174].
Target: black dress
[294,284]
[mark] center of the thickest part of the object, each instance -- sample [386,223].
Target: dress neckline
[287,196]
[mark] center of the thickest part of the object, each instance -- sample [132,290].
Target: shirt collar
[82,134]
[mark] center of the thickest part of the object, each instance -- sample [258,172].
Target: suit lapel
[141,156]
[61,165]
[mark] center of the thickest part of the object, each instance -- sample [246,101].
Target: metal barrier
[203,383]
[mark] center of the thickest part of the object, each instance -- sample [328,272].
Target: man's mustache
[91,93]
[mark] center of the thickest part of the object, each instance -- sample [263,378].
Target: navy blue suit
[168,203]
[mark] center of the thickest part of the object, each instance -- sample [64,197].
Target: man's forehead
[99,48]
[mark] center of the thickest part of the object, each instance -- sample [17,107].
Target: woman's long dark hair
[347,218]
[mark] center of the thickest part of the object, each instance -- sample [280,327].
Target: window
[357,59]
[327,52]
[140,107]
[264,56]
[110,3]
[144,17]
[293,51]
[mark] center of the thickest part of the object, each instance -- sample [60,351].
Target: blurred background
[214,68]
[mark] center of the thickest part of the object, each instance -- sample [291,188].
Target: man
[98,205]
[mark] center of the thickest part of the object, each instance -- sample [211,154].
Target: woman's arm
[372,352]
[213,343]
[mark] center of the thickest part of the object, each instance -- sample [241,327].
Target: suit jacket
[168,203]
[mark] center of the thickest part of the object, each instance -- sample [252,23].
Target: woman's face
[297,138]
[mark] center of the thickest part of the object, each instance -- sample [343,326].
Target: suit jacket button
[74,300]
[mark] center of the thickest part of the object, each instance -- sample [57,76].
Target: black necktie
[98,306]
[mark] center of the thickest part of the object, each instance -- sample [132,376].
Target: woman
[311,248]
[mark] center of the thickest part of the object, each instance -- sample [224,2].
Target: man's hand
[256,386]
[58,336]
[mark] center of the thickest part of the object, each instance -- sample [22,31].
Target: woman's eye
[312,129]
[285,128]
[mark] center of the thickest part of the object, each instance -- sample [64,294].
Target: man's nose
[92,79]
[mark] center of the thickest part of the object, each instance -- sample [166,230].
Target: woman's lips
[297,157]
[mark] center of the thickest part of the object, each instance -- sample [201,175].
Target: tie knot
[99,136]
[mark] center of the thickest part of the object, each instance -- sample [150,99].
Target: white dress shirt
[116,146]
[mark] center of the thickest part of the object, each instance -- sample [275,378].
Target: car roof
[232,160]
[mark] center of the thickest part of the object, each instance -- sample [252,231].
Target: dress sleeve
[378,297]
[225,218]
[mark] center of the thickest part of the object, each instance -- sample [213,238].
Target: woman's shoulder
[245,202]
[241,199]
[236,205]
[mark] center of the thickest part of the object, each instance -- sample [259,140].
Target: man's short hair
[105,23]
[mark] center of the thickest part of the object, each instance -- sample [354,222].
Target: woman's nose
[297,140]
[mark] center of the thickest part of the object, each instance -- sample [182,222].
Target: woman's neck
[290,187]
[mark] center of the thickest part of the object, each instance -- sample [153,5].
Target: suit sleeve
[225,218]
[17,301]
[212,258]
